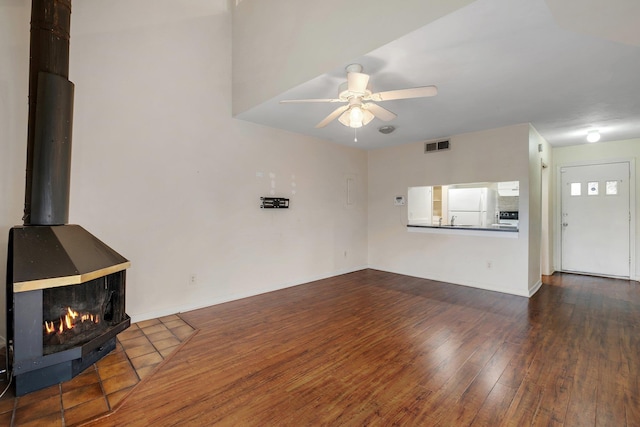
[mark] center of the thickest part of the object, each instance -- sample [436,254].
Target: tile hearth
[101,387]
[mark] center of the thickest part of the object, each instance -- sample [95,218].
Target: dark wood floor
[374,348]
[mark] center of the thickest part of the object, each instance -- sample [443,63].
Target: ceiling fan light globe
[355,116]
[346,120]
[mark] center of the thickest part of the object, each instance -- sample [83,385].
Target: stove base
[38,379]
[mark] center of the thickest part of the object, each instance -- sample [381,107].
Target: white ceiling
[496,63]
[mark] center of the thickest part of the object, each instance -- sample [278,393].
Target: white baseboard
[138,317]
[535,288]
[453,281]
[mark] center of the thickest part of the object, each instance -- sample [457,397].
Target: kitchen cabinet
[437,201]
[509,188]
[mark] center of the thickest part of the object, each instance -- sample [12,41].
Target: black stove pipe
[48,168]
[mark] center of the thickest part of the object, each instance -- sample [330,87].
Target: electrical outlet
[193,279]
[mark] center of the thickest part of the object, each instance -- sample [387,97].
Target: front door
[596,219]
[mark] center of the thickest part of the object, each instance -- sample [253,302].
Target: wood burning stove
[65,288]
[66,294]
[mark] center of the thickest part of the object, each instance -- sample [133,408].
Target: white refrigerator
[419,205]
[470,206]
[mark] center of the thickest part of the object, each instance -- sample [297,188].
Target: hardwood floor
[374,348]
[140,349]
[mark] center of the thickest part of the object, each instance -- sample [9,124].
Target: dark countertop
[506,228]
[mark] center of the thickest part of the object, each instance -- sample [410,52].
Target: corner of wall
[535,288]
[538,205]
[542,162]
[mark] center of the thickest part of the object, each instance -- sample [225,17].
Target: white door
[596,219]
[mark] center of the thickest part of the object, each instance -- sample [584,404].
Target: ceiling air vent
[436,146]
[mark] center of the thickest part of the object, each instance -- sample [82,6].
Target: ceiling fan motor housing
[344,94]
[354,68]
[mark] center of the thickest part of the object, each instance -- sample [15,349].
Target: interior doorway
[595,220]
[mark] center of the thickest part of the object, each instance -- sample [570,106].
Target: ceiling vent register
[432,147]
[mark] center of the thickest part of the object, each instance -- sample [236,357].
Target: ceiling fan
[356,93]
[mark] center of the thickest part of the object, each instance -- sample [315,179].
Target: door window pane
[612,188]
[576,189]
[592,188]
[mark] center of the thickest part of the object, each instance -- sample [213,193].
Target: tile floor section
[100,388]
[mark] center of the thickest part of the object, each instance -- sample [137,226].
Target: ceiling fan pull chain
[355,134]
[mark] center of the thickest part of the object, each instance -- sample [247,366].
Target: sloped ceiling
[496,63]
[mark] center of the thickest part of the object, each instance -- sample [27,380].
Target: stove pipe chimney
[48,169]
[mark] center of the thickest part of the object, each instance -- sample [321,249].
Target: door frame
[557,220]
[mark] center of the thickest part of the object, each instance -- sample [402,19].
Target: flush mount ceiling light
[386,129]
[361,108]
[593,135]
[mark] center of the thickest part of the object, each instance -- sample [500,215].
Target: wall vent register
[430,147]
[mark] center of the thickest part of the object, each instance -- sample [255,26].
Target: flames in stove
[71,323]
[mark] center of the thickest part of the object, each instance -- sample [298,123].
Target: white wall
[14,88]
[279,44]
[493,155]
[162,173]
[602,151]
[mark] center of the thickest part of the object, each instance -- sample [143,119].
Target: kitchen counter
[498,230]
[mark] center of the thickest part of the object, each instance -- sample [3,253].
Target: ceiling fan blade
[292,101]
[380,112]
[415,92]
[357,82]
[332,116]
